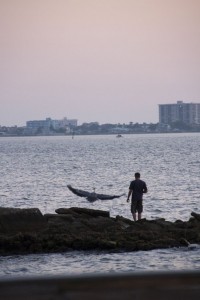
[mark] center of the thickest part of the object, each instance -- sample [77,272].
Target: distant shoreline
[97,134]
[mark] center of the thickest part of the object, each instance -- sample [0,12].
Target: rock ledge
[24,231]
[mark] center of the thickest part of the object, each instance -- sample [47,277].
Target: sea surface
[35,172]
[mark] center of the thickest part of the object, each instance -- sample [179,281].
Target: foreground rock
[24,231]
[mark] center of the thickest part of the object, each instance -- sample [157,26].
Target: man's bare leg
[139,216]
[134,216]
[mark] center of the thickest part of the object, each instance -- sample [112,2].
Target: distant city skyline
[171,112]
[110,61]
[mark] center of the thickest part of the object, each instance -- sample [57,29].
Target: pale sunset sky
[110,61]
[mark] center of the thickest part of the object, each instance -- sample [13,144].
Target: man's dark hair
[137,175]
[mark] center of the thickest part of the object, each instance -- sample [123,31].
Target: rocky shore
[24,231]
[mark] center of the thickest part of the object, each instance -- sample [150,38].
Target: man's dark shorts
[136,206]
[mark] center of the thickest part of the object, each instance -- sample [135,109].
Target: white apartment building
[188,113]
[47,124]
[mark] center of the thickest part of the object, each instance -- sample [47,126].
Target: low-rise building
[46,126]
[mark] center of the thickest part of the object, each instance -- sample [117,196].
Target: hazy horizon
[110,61]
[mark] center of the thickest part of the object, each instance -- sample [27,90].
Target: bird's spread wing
[77,192]
[108,197]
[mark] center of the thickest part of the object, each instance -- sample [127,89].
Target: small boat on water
[119,136]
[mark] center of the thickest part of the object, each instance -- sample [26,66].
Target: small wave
[157,210]
[194,163]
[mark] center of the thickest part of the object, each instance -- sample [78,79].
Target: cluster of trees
[96,128]
[14,130]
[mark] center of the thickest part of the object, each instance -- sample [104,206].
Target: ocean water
[35,172]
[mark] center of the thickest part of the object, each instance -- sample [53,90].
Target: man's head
[137,175]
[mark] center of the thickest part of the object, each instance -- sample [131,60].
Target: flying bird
[92,196]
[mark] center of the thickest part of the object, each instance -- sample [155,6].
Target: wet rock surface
[24,231]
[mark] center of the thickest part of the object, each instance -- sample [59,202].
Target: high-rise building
[187,113]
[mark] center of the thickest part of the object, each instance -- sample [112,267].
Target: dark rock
[196,216]
[13,220]
[57,217]
[28,231]
[87,211]
[124,220]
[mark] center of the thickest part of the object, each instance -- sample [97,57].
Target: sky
[106,61]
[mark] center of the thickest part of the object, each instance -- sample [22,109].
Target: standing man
[137,188]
